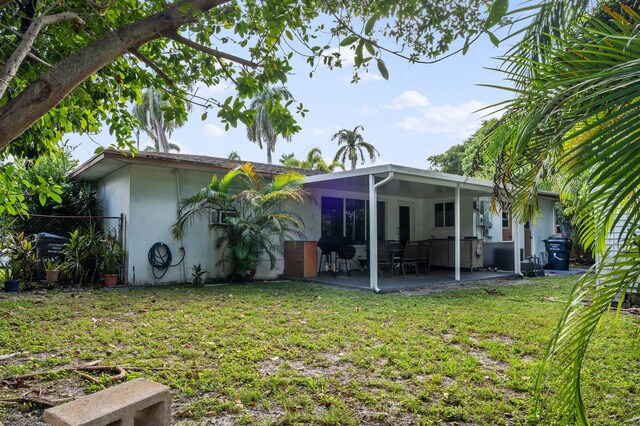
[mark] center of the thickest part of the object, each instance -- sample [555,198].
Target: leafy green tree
[314,161]
[76,66]
[149,112]
[355,147]
[99,55]
[469,158]
[262,129]
[258,219]
[574,120]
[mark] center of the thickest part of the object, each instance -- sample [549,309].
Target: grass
[288,353]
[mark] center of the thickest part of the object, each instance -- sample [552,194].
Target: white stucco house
[412,204]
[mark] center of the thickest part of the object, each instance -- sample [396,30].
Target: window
[505,220]
[332,217]
[444,214]
[219,217]
[349,218]
[356,219]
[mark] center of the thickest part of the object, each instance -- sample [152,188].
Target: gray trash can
[559,250]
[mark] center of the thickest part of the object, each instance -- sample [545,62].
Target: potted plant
[111,262]
[11,281]
[20,259]
[51,269]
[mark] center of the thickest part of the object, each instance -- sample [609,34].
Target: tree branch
[213,52]
[3,3]
[24,48]
[52,86]
[148,62]
[20,35]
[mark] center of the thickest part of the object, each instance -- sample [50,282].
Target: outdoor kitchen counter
[443,253]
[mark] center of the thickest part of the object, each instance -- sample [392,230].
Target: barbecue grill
[346,253]
[328,246]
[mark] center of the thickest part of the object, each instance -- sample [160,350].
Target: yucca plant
[575,120]
[260,219]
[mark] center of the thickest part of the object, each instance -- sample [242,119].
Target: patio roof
[407,181]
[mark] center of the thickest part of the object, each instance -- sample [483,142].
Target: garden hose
[160,259]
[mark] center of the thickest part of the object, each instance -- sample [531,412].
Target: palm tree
[262,130]
[233,155]
[575,119]
[314,161]
[354,147]
[258,215]
[150,115]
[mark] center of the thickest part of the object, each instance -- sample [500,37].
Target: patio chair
[410,257]
[383,257]
[396,252]
[424,253]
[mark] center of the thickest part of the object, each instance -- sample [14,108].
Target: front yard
[287,352]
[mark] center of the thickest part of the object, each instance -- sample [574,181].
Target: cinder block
[139,402]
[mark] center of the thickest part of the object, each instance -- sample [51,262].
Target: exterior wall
[154,199]
[543,226]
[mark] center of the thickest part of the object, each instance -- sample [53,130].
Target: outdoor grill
[328,246]
[346,253]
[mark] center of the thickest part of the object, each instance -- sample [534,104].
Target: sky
[420,111]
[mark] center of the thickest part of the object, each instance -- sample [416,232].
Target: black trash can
[558,250]
[48,246]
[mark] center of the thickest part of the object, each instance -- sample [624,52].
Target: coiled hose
[160,259]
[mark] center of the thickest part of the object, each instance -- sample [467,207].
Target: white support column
[457,233]
[373,235]
[516,246]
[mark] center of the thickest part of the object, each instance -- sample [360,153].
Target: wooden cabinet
[443,253]
[301,259]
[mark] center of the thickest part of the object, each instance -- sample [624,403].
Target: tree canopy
[574,121]
[74,65]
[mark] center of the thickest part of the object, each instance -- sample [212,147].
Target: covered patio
[412,205]
[437,280]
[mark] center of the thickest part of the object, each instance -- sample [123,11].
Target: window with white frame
[349,218]
[444,214]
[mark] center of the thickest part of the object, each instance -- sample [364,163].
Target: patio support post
[516,247]
[373,229]
[457,233]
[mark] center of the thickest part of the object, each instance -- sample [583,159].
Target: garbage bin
[48,246]
[558,249]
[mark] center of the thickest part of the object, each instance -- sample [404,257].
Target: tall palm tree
[150,115]
[575,119]
[354,147]
[259,215]
[262,130]
[314,161]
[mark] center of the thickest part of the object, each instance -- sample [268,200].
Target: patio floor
[437,280]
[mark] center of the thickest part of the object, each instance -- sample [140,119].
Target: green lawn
[287,353]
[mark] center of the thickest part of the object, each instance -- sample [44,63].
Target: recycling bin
[558,250]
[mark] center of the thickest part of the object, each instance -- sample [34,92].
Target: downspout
[373,229]
[183,269]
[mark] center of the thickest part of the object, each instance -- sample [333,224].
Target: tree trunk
[52,87]
[268,153]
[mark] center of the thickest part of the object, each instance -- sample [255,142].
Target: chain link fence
[63,225]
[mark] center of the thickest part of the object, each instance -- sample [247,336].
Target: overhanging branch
[24,48]
[213,52]
[148,62]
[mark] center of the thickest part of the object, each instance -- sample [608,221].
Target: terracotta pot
[110,280]
[51,275]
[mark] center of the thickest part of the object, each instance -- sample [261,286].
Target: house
[411,204]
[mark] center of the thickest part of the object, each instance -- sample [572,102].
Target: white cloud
[205,91]
[213,131]
[346,54]
[316,132]
[409,99]
[458,120]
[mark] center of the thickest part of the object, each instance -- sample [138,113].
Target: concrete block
[139,402]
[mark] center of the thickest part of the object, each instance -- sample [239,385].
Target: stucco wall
[543,226]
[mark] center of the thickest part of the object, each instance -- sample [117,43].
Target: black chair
[410,257]
[383,257]
[424,254]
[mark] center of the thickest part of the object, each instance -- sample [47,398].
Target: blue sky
[420,111]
